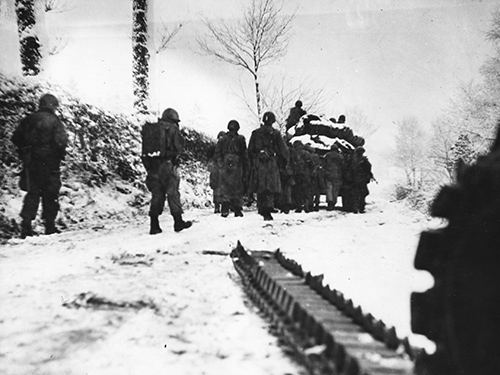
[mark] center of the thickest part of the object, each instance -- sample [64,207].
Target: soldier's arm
[218,151]
[244,152]
[60,137]
[178,142]
[251,147]
[18,136]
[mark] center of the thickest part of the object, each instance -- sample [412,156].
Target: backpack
[153,140]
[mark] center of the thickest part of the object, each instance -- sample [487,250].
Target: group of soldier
[284,176]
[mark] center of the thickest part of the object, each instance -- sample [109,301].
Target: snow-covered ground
[157,304]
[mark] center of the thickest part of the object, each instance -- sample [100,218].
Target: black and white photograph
[254,187]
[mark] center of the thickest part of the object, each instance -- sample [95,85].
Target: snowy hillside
[103,178]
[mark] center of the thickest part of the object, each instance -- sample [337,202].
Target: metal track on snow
[328,332]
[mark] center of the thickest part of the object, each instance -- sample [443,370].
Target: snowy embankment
[116,300]
[103,177]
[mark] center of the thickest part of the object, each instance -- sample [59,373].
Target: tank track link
[327,331]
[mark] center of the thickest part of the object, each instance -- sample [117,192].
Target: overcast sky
[391,58]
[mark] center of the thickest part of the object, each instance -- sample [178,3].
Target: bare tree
[140,68]
[280,96]
[493,33]
[411,151]
[359,122]
[28,40]
[259,38]
[166,35]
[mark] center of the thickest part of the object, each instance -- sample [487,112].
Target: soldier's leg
[28,212]
[50,201]
[174,199]
[299,193]
[308,198]
[30,203]
[335,192]
[356,195]
[267,204]
[157,200]
[329,195]
[237,205]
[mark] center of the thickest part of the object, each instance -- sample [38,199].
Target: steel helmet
[269,118]
[359,150]
[233,125]
[170,114]
[48,101]
[298,103]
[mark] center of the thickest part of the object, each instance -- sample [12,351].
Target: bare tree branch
[57,44]
[56,6]
[360,123]
[166,36]
[280,95]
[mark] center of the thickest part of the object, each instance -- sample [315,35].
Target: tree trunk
[29,44]
[140,67]
[257,96]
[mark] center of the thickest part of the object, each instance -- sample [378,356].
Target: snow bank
[103,177]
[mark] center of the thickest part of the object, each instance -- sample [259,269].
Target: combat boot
[225,210]
[26,229]
[267,214]
[180,224]
[50,227]
[330,206]
[238,212]
[217,208]
[155,225]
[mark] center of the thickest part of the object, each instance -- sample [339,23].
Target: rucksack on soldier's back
[153,141]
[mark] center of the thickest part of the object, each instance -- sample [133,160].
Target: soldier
[301,166]
[285,201]
[266,150]
[333,174]
[295,114]
[347,188]
[362,175]
[214,179]
[41,142]
[231,156]
[162,168]
[317,184]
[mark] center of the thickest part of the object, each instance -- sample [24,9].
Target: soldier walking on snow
[214,178]
[231,156]
[266,150]
[362,175]
[162,144]
[41,142]
[302,170]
